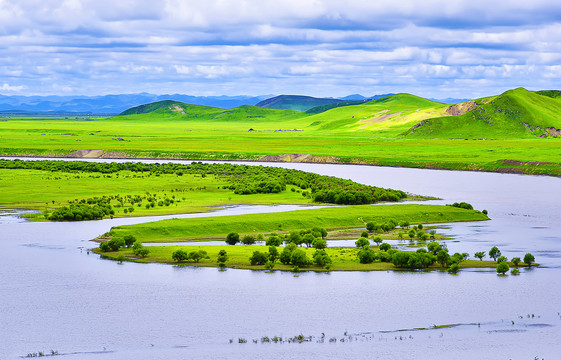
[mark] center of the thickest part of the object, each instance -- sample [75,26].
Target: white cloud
[7,87]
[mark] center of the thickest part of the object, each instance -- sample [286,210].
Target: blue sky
[432,48]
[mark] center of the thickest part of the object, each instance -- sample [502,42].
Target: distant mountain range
[115,104]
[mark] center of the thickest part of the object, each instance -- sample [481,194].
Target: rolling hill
[295,102]
[517,113]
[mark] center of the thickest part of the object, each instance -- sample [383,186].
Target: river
[54,294]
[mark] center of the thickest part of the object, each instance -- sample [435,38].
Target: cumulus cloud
[317,47]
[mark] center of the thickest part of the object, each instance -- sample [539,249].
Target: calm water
[54,295]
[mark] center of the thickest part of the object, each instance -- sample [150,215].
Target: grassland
[343,259]
[175,230]
[44,190]
[369,133]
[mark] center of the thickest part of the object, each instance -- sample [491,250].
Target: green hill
[295,102]
[517,113]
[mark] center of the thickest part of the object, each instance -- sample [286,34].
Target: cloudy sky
[433,48]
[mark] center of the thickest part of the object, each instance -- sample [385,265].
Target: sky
[431,48]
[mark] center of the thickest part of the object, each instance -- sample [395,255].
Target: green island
[514,132]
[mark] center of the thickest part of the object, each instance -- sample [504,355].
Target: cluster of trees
[502,261]
[81,212]
[194,256]
[243,179]
[127,241]
[462,205]
[314,237]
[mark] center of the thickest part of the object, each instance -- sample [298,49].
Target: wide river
[55,295]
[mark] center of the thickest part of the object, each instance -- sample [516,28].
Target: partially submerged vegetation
[78,190]
[304,235]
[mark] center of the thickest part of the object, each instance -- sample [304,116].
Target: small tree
[273,253]
[454,268]
[432,234]
[404,224]
[232,238]
[443,258]
[321,258]
[129,240]
[362,242]
[502,258]
[258,258]
[502,267]
[222,256]
[370,226]
[529,259]
[319,243]
[480,255]
[378,240]
[494,253]
[269,265]
[434,247]
[515,261]
[308,239]
[143,252]
[385,246]
[320,230]
[366,256]
[294,237]
[248,240]
[196,256]
[299,258]
[273,240]
[179,255]
[364,234]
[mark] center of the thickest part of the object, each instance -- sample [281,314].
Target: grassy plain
[343,259]
[359,134]
[356,216]
[40,190]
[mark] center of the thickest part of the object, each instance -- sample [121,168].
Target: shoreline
[510,171]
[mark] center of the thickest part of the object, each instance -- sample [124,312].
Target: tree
[319,243]
[129,240]
[529,259]
[370,226]
[248,240]
[196,256]
[400,259]
[142,252]
[232,238]
[308,239]
[364,234]
[321,258]
[480,255]
[454,268]
[320,230]
[222,256]
[294,237]
[443,258]
[299,258]
[385,246]
[404,224]
[378,240]
[515,261]
[502,258]
[366,256]
[273,253]
[434,247]
[412,234]
[258,258]
[273,240]
[502,267]
[494,253]
[432,234]
[179,255]
[269,265]
[362,242]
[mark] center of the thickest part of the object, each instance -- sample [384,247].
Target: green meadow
[512,132]
[343,259]
[331,218]
[44,190]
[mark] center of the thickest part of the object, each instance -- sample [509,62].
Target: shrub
[529,259]
[319,243]
[385,246]
[248,240]
[179,255]
[232,238]
[502,267]
[362,242]
[258,258]
[366,256]
[299,258]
